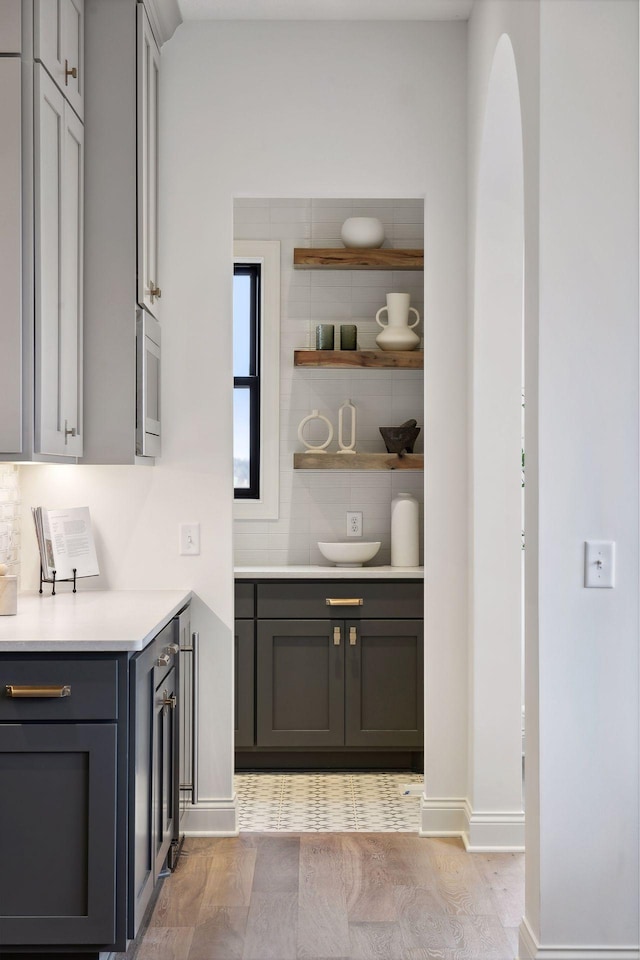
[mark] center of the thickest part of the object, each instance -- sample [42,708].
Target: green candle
[324,336]
[348,336]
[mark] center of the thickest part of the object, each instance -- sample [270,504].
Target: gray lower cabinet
[89,795]
[244,684]
[62,750]
[331,683]
[154,803]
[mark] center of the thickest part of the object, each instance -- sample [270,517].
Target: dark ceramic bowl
[399,439]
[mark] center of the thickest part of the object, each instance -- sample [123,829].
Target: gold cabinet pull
[69,72]
[18,691]
[353,636]
[154,291]
[337,636]
[340,602]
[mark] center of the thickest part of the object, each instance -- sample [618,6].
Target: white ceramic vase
[405,531]
[367,233]
[397,333]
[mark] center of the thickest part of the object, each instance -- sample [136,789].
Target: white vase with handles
[397,333]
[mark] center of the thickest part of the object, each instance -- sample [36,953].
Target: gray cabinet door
[244,683]
[384,683]
[300,683]
[58,811]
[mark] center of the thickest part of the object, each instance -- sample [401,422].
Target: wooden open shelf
[337,258]
[358,461]
[389,359]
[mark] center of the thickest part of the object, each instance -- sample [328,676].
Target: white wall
[581,342]
[290,110]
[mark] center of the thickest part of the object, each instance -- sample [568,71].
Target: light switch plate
[189,539]
[599,563]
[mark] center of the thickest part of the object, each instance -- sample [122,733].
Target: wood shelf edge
[343,258]
[386,359]
[358,461]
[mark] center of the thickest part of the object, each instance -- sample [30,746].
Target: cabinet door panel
[147,80]
[244,683]
[57,884]
[300,683]
[11,256]
[58,244]
[59,44]
[384,683]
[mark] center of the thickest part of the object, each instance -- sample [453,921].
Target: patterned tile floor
[327,802]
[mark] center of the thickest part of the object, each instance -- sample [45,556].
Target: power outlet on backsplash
[354,523]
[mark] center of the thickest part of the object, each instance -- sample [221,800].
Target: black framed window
[246,380]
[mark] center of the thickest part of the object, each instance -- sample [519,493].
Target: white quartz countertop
[90,621]
[310,572]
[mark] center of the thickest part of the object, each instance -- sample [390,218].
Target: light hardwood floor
[358,896]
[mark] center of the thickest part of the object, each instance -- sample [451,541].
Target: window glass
[242,322]
[241,437]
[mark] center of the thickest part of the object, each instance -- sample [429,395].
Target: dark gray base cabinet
[333,665]
[88,795]
[328,683]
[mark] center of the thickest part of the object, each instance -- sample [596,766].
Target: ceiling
[326,9]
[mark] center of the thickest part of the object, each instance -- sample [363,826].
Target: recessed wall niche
[313,504]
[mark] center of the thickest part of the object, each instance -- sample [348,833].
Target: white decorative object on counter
[349,554]
[8,593]
[398,333]
[405,531]
[314,447]
[367,233]
[351,446]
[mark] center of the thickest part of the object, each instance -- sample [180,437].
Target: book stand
[54,581]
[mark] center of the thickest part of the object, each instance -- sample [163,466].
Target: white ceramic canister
[405,531]
[8,594]
[365,233]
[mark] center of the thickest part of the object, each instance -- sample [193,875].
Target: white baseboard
[487,832]
[210,818]
[531,949]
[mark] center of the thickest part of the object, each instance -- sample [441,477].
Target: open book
[65,540]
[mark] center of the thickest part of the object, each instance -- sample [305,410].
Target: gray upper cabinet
[121,279]
[41,237]
[58,31]
[59,197]
[148,73]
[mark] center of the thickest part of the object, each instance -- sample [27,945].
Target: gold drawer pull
[339,602]
[12,690]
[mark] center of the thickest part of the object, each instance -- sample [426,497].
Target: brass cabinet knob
[154,291]
[69,72]
[337,636]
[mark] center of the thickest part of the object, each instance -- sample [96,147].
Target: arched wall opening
[495,817]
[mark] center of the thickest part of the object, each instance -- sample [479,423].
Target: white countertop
[310,572]
[90,621]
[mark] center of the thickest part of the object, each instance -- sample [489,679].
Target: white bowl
[364,232]
[349,554]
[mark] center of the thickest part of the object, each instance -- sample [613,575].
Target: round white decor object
[405,531]
[315,447]
[367,233]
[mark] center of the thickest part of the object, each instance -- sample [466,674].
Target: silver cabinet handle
[163,660]
[169,700]
[173,648]
[337,636]
[340,602]
[42,692]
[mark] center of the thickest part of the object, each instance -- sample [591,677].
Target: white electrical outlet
[189,539]
[354,523]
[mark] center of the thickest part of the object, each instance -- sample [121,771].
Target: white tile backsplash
[10,532]
[313,505]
